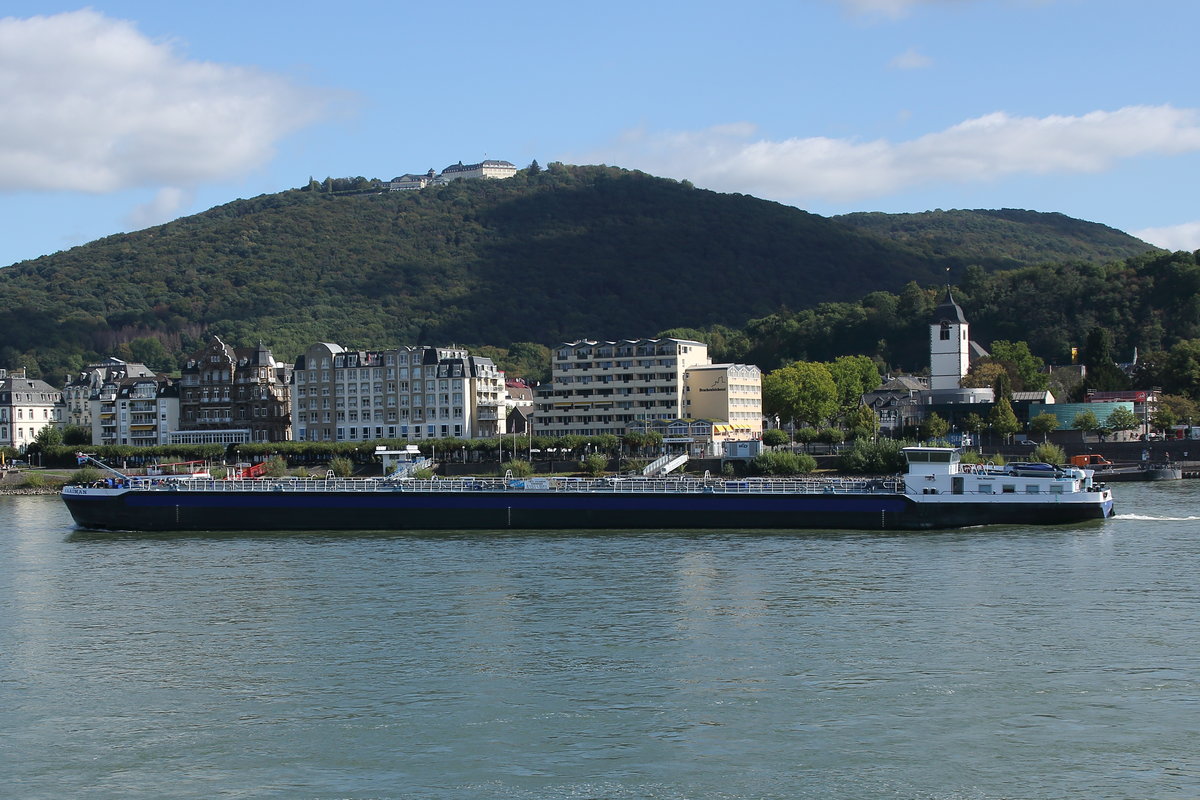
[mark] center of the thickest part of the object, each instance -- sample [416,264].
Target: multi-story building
[79,388]
[608,387]
[729,392]
[139,411]
[497,170]
[231,395]
[26,406]
[399,393]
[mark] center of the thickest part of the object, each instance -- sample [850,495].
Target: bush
[518,467]
[777,463]
[423,474]
[276,467]
[85,475]
[34,480]
[594,465]
[1049,454]
[884,457]
[342,467]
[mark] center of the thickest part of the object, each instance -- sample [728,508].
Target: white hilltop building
[489,168]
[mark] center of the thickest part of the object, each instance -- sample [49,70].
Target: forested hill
[548,255]
[1006,238]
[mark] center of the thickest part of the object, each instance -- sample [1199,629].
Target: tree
[863,423]
[1042,424]
[853,376]
[774,437]
[1002,419]
[76,434]
[983,375]
[934,427]
[974,423]
[1122,419]
[1023,366]
[1103,375]
[49,436]
[803,392]
[1086,421]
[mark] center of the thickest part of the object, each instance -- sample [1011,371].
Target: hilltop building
[26,406]
[400,393]
[495,170]
[233,395]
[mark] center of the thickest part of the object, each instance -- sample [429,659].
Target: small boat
[936,491]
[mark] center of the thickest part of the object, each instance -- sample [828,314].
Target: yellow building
[730,392]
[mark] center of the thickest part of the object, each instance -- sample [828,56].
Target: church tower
[949,345]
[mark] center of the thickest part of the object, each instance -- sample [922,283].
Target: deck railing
[681,485]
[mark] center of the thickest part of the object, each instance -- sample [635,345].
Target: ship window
[985,488]
[1031,488]
[1056,488]
[1009,488]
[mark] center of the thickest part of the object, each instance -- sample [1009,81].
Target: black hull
[526,510]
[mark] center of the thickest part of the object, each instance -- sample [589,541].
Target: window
[945,332]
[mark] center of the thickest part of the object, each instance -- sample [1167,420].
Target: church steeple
[949,345]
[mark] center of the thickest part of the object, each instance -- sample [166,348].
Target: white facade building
[608,387]
[79,388]
[400,393]
[26,406]
[497,170]
[141,411]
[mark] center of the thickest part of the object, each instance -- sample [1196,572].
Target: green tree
[1122,419]
[1002,419]
[802,392]
[863,423]
[76,434]
[342,467]
[1023,366]
[974,423]
[1086,421]
[934,427]
[853,376]
[49,436]
[1043,424]
[774,437]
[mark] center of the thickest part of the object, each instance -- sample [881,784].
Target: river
[964,665]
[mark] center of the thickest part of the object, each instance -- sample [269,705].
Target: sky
[127,114]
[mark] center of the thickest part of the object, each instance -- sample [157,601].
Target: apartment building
[231,395]
[79,389]
[608,387]
[139,411]
[412,392]
[26,406]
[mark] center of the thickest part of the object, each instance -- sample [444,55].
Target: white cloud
[911,59]
[998,145]
[90,104]
[164,207]
[892,9]
[1173,237]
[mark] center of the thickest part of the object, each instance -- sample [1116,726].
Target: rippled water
[988,663]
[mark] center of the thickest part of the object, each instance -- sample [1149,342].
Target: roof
[948,311]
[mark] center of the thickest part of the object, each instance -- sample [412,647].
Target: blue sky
[122,115]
